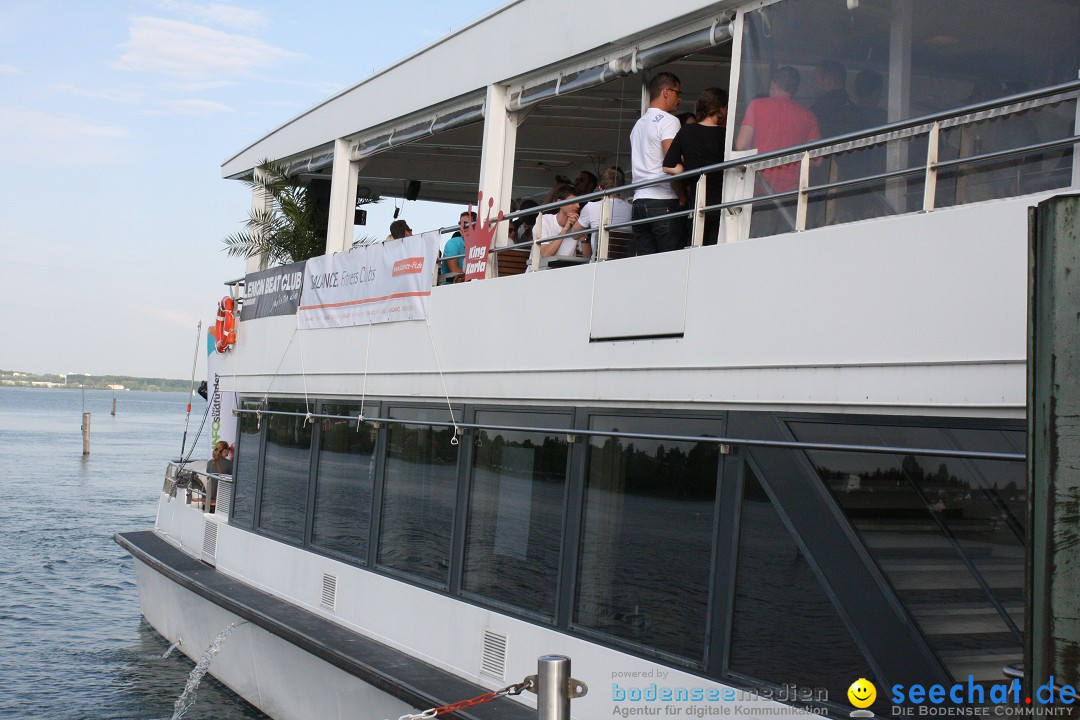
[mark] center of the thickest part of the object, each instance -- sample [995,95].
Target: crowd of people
[663,143]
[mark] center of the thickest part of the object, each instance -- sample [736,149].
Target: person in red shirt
[773,123]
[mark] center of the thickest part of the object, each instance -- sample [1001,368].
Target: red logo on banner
[478,239]
[408,266]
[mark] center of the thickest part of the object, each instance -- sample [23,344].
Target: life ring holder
[225,327]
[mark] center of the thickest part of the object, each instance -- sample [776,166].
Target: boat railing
[894,190]
[191,486]
[725,443]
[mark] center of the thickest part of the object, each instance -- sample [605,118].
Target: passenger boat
[729,479]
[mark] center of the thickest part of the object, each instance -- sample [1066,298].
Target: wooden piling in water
[86,433]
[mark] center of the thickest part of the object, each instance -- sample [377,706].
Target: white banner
[384,282]
[222,421]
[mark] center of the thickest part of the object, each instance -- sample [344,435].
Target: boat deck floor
[396,673]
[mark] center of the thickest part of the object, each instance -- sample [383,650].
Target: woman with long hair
[700,144]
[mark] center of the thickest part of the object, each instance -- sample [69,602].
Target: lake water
[72,642]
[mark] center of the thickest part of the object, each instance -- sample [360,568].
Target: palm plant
[293,226]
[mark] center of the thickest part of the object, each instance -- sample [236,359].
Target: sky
[115,118]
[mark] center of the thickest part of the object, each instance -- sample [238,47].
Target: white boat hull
[282,680]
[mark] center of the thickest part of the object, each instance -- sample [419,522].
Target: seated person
[400,229]
[220,464]
[560,180]
[558,223]
[526,222]
[585,183]
[456,245]
[589,218]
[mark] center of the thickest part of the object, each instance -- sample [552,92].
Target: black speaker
[413,190]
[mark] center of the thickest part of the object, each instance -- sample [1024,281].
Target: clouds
[39,125]
[221,15]
[192,52]
[60,139]
[194,106]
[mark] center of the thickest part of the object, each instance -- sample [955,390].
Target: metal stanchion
[555,688]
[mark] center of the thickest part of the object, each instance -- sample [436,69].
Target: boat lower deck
[413,681]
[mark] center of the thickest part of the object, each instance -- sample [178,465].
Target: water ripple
[74,644]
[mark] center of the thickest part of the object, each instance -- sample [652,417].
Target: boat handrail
[722,441]
[959,115]
[932,124]
[196,482]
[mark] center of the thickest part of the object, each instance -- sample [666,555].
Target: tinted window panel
[245,469]
[785,628]
[283,504]
[419,489]
[645,557]
[515,516]
[851,78]
[344,484]
[946,532]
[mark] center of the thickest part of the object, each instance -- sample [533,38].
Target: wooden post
[1053,469]
[86,433]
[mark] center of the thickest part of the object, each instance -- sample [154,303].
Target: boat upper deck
[896,281]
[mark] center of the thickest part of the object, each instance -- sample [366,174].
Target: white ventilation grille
[224,498]
[209,539]
[329,591]
[493,661]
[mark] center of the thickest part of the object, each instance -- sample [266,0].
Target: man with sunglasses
[649,142]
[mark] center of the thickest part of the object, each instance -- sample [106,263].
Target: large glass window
[946,532]
[514,528]
[246,469]
[343,487]
[785,629]
[857,66]
[419,489]
[283,505]
[646,546]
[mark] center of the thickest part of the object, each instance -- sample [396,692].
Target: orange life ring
[225,328]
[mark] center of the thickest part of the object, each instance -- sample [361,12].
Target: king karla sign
[371,284]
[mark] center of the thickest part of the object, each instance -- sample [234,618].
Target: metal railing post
[553,687]
[930,186]
[600,252]
[697,234]
[803,205]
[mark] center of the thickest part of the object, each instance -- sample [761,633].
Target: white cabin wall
[921,311]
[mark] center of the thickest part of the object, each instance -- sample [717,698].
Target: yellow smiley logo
[862,693]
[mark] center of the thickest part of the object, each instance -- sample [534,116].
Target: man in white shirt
[649,142]
[589,218]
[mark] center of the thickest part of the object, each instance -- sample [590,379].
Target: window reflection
[283,505]
[946,532]
[343,488]
[891,60]
[419,488]
[785,629]
[645,555]
[514,529]
[245,469]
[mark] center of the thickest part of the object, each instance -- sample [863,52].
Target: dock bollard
[555,688]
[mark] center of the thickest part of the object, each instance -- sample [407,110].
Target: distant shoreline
[72,381]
